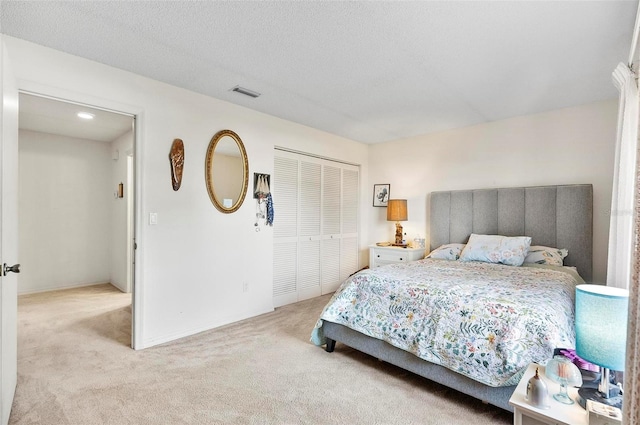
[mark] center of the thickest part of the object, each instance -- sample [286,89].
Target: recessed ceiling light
[85,115]
[245,91]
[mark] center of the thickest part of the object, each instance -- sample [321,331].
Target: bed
[552,216]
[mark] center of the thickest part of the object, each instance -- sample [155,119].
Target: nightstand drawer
[391,257]
[383,255]
[526,420]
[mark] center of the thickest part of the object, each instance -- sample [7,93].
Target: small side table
[381,255]
[557,414]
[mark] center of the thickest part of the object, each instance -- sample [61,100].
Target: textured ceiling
[368,71]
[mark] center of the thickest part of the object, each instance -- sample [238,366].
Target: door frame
[8,233]
[131,221]
[137,113]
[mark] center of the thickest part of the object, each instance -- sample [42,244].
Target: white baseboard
[150,342]
[62,287]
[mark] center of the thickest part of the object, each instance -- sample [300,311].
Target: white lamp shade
[601,325]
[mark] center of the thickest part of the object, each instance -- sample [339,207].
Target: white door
[330,250]
[315,244]
[349,263]
[8,235]
[309,232]
[285,231]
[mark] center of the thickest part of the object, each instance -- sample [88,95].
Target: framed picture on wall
[381,193]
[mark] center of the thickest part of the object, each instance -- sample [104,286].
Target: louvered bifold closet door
[309,236]
[316,226]
[284,186]
[330,249]
[349,229]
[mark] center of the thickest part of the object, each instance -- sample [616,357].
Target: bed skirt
[497,396]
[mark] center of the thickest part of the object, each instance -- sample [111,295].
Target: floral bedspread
[485,321]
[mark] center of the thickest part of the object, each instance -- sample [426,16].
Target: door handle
[6,269]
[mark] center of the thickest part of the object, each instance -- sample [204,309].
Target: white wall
[192,265]
[64,217]
[118,206]
[573,145]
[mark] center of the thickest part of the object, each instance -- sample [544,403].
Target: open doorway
[76,200]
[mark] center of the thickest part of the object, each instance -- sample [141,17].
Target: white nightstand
[557,414]
[381,255]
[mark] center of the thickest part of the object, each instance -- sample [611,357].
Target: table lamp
[397,211]
[601,337]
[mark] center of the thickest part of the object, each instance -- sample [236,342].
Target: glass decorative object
[561,370]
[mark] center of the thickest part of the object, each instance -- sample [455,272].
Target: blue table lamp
[601,337]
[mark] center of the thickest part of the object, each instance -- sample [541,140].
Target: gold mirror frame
[208,169]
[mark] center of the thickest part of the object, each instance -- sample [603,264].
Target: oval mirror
[226,171]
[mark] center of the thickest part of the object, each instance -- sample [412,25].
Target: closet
[315,245]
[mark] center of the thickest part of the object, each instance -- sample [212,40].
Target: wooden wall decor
[176,156]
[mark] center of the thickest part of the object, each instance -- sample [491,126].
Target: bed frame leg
[331,345]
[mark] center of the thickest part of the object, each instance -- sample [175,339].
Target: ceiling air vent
[246,92]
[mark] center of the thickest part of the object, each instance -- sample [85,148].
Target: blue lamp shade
[601,325]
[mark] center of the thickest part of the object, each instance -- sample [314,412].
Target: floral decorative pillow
[545,255]
[496,249]
[449,251]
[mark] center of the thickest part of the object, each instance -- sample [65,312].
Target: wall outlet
[245,286]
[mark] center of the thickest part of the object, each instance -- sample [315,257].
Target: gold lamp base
[398,241]
[397,211]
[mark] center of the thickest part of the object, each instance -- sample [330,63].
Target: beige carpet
[75,367]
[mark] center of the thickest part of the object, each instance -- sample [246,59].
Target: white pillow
[449,251]
[496,249]
[545,255]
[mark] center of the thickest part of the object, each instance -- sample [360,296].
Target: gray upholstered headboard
[555,216]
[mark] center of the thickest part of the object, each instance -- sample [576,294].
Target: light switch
[153,219]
